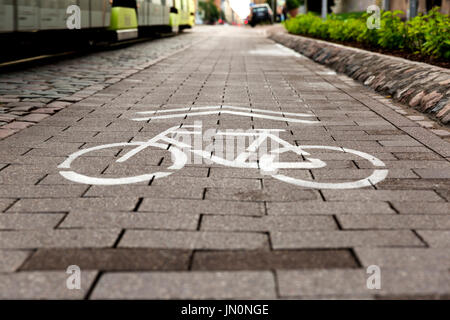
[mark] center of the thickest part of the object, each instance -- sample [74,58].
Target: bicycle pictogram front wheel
[379,173]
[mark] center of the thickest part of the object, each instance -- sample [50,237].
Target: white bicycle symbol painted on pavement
[266,163]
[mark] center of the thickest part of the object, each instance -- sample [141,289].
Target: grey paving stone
[128,220]
[321,207]
[267,223]
[416,207]
[56,151]
[436,238]
[381,195]
[105,259]
[158,192]
[6,203]
[417,156]
[11,260]
[405,258]
[352,174]
[69,204]
[330,155]
[75,238]
[351,282]
[433,173]
[29,221]
[192,240]
[42,285]
[394,143]
[408,149]
[136,170]
[444,193]
[268,260]
[183,285]
[344,239]
[371,222]
[46,168]
[19,140]
[288,194]
[34,191]
[13,150]
[203,206]
[177,182]
[37,160]
[410,164]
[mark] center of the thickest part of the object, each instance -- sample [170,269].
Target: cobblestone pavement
[27,97]
[214,231]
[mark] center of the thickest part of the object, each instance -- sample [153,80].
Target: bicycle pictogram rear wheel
[178,157]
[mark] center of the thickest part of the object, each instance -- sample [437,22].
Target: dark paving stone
[108,259]
[267,260]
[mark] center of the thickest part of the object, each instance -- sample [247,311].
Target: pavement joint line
[199,224]
[93,285]
[356,258]
[277,286]
[61,221]
[29,257]
[119,238]
[191,258]
[11,205]
[421,238]
[393,207]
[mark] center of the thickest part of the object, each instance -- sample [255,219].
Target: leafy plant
[392,31]
[428,34]
[347,15]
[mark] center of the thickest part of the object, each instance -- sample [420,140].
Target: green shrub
[347,30]
[347,15]
[427,34]
[392,31]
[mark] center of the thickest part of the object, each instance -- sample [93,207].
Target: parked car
[260,13]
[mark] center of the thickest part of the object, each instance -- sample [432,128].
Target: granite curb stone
[418,85]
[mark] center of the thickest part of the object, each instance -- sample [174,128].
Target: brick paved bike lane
[211,230]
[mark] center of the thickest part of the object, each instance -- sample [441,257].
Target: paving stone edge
[418,85]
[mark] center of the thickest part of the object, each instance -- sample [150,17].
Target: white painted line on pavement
[255,113]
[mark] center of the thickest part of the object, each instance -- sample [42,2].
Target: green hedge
[428,34]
